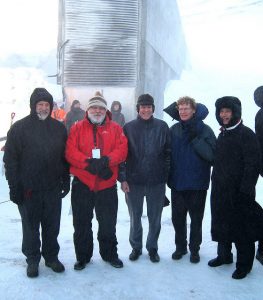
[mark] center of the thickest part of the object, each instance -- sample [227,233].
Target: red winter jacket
[110,140]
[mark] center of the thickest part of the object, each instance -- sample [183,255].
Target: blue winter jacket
[191,160]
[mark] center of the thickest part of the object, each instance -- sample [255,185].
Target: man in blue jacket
[192,145]
[145,175]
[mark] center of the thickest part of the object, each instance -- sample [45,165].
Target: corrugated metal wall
[102,42]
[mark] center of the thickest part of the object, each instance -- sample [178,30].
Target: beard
[96,119]
[42,115]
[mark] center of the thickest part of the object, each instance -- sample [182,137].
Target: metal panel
[102,42]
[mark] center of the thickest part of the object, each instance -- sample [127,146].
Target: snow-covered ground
[142,279]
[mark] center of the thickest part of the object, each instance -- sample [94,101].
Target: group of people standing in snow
[145,156]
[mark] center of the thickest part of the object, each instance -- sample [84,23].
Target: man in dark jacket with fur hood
[38,178]
[193,146]
[236,217]
[258,97]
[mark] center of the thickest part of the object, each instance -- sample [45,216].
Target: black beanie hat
[258,96]
[232,103]
[145,99]
[40,94]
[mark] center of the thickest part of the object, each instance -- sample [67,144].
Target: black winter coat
[236,217]
[259,134]
[149,151]
[34,154]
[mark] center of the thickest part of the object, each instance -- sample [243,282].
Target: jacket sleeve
[75,157]
[119,153]
[205,144]
[12,156]
[251,159]
[259,134]
[167,152]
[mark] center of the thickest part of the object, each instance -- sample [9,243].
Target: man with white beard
[95,148]
[38,178]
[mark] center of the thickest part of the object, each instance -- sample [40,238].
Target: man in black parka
[258,97]
[38,178]
[235,214]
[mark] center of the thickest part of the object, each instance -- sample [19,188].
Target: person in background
[258,98]
[74,115]
[58,113]
[235,215]
[38,178]
[193,147]
[145,175]
[95,148]
[117,115]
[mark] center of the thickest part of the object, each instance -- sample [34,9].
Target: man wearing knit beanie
[95,148]
[38,179]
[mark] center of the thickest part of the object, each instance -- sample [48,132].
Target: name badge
[95,153]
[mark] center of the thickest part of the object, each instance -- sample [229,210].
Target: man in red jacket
[95,148]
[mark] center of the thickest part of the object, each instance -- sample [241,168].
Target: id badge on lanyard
[95,153]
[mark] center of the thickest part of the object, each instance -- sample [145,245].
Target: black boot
[80,265]
[178,254]
[135,254]
[55,265]
[194,257]
[32,270]
[239,274]
[116,263]
[218,261]
[154,256]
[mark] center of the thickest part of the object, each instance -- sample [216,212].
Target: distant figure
[38,178]
[117,116]
[58,113]
[258,97]
[74,115]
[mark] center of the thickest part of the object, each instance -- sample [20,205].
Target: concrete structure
[122,48]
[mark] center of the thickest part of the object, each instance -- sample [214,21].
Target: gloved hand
[65,186]
[192,132]
[95,165]
[105,173]
[16,194]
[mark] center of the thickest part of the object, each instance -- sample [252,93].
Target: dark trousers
[41,208]
[245,253]
[155,195]
[260,246]
[192,202]
[83,203]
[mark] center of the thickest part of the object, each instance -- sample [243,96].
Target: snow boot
[56,266]
[32,270]
[135,254]
[218,261]
[178,254]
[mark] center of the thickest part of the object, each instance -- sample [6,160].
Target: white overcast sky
[28,26]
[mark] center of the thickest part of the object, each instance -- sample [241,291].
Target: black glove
[97,164]
[65,186]
[192,132]
[16,195]
[105,173]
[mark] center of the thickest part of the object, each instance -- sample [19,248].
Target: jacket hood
[200,114]
[258,96]
[112,106]
[40,94]
[232,103]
